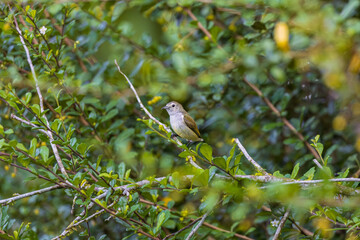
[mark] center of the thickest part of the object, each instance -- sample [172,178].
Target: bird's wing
[191,124]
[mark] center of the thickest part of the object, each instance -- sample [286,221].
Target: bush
[86,151]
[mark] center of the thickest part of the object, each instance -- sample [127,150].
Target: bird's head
[173,107]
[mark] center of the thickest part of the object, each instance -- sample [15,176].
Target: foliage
[273,85]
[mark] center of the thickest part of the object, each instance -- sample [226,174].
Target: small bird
[182,123]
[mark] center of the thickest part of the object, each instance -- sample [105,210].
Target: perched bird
[182,123]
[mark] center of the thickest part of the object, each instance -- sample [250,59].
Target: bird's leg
[189,143]
[174,135]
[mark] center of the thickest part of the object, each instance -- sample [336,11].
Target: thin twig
[13,116]
[53,146]
[283,119]
[281,224]
[193,231]
[303,230]
[26,169]
[139,101]
[182,229]
[201,27]
[252,161]
[29,194]
[317,163]
[192,162]
[226,231]
[258,91]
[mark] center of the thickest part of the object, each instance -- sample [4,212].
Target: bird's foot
[174,135]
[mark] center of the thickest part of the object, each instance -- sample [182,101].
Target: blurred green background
[308,68]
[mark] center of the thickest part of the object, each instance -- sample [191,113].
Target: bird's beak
[164,107]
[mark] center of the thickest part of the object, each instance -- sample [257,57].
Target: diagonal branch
[252,161]
[139,101]
[258,91]
[49,134]
[13,116]
[281,224]
[283,119]
[193,231]
[150,115]
[202,28]
[182,229]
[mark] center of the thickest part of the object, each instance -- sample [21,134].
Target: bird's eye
[173,105]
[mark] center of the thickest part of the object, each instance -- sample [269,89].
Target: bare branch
[258,91]
[41,100]
[317,163]
[182,229]
[29,194]
[252,161]
[28,123]
[226,231]
[281,224]
[139,101]
[283,119]
[192,162]
[193,231]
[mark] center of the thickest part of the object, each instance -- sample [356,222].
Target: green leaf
[36,109]
[32,149]
[231,155]
[206,151]
[317,138]
[28,96]
[55,125]
[90,190]
[220,162]
[58,109]
[320,148]
[127,174]
[278,174]
[21,147]
[44,153]
[81,148]
[295,171]
[175,178]
[109,115]
[310,174]
[185,154]
[9,131]
[2,130]
[33,13]
[121,170]
[161,219]
[70,131]
[13,143]
[271,126]
[202,179]
[344,174]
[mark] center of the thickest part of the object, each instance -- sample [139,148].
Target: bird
[182,123]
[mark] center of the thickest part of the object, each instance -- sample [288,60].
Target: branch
[317,163]
[193,231]
[139,101]
[257,90]
[284,120]
[53,146]
[281,224]
[26,169]
[252,161]
[226,231]
[29,194]
[182,229]
[13,116]
[192,162]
